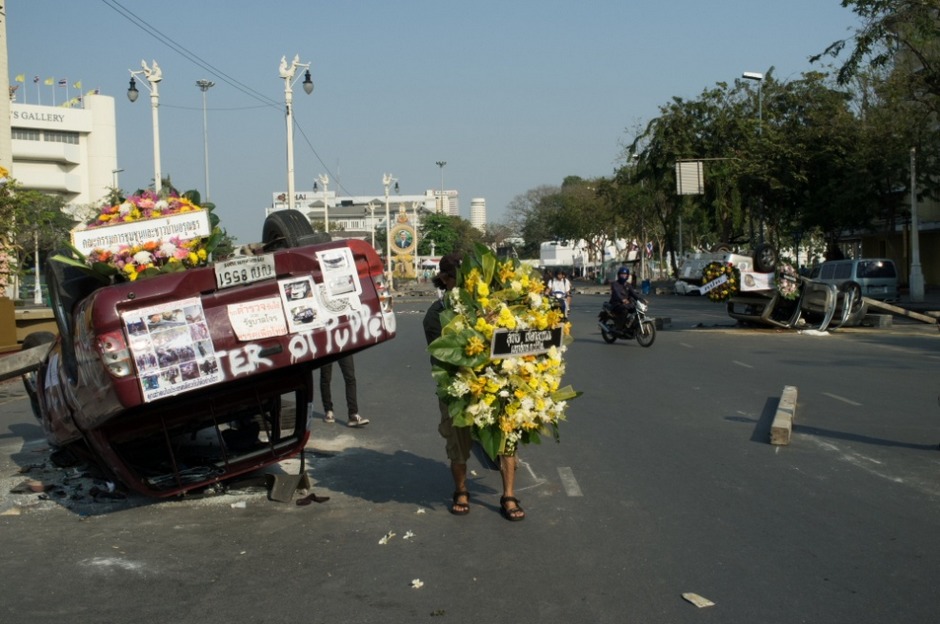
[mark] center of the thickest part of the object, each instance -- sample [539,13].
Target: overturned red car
[186,379]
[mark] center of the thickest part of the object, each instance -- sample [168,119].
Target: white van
[877,278]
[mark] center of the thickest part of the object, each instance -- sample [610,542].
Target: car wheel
[287,228]
[765,258]
[30,379]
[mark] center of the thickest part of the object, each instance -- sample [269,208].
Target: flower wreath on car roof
[149,255]
[508,400]
[720,281]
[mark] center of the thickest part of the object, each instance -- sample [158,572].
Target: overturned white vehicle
[760,289]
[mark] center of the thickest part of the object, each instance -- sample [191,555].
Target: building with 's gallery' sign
[71,152]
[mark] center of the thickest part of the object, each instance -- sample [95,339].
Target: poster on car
[261,318]
[172,348]
[300,304]
[340,290]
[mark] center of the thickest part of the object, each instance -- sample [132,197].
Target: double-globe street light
[153,75]
[287,73]
[205,85]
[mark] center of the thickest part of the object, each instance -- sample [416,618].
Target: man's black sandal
[460,509]
[515,514]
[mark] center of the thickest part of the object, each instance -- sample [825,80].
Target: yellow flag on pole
[21,77]
[49,82]
[77,85]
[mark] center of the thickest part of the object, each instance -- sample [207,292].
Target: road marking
[686,345]
[741,364]
[843,399]
[569,482]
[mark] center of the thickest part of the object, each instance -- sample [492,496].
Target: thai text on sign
[507,343]
[184,226]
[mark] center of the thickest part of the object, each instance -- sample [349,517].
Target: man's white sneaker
[358,421]
[328,417]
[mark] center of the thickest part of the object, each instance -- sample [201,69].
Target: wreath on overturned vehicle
[720,281]
[145,235]
[787,281]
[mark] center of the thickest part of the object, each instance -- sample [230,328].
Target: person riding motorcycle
[622,297]
[560,288]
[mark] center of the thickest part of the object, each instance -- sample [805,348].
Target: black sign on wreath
[517,343]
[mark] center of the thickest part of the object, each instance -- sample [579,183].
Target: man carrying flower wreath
[497,348]
[460,439]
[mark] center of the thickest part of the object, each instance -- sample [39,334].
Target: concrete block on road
[782,426]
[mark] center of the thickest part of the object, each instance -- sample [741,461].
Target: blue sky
[512,94]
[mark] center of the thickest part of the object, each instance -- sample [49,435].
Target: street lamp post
[387,180]
[287,73]
[917,276]
[414,212]
[325,182]
[759,78]
[441,164]
[153,75]
[205,85]
[372,221]
[114,177]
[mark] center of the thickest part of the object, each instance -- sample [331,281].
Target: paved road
[663,483]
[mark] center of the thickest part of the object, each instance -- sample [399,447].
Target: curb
[782,426]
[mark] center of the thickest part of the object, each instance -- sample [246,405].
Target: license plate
[244,270]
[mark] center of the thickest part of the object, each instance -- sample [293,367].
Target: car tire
[765,258]
[30,379]
[287,228]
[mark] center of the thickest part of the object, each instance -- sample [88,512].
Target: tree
[449,234]
[902,35]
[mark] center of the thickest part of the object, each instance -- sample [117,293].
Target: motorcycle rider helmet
[623,271]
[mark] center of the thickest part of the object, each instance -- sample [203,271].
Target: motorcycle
[560,302]
[638,325]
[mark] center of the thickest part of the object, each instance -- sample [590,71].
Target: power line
[218,73]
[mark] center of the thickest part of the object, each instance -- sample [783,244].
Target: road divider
[782,426]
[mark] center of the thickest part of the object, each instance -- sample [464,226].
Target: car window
[827,271]
[843,270]
[876,268]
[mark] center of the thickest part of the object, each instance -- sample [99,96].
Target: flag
[49,82]
[21,77]
[63,82]
[77,85]
[36,79]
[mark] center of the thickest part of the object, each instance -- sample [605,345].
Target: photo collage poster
[172,348]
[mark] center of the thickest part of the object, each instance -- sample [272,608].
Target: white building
[478,213]
[70,152]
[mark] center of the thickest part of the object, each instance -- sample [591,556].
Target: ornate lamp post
[287,73]
[205,85]
[153,75]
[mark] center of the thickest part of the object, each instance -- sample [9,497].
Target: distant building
[71,152]
[478,213]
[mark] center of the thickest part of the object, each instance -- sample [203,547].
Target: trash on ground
[417,583]
[697,600]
